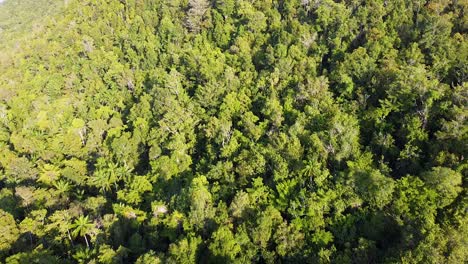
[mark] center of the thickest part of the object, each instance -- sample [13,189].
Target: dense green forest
[19,17]
[233,131]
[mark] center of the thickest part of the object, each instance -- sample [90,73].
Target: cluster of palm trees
[108,174]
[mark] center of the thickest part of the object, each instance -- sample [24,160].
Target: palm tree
[112,172]
[103,180]
[82,226]
[308,170]
[105,177]
[124,173]
[62,186]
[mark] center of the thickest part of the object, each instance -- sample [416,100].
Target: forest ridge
[233,131]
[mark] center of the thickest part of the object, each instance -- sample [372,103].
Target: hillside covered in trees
[233,131]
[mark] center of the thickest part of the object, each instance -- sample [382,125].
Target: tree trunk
[86,239]
[69,236]
[30,239]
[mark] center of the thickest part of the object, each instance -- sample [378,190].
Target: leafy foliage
[155,131]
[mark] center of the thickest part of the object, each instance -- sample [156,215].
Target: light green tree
[82,227]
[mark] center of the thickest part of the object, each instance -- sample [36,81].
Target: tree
[195,14]
[200,202]
[82,227]
[149,257]
[138,186]
[9,230]
[289,240]
[33,225]
[105,176]
[39,255]
[61,221]
[371,184]
[445,182]
[414,209]
[224,247]
[185,250]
